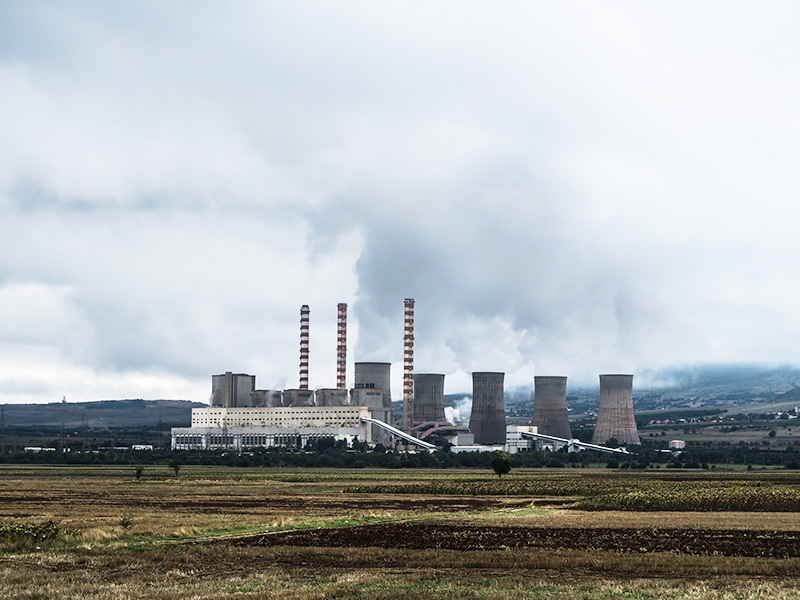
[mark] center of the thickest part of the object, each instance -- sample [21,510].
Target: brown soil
[306,505]
[714,542]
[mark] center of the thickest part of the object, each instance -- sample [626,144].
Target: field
[218,533]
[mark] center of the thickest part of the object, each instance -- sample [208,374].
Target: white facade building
[514,440]
[237,428]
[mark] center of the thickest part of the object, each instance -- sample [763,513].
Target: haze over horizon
[564,188]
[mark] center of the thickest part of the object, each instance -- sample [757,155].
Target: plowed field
[716,542]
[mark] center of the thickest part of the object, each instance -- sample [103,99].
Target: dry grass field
[221,533]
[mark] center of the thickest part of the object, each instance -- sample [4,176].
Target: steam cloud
[459,413]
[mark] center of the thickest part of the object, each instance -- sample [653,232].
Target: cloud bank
[564,188]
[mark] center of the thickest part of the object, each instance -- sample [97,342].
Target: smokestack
[304,314]
[428,398]
[488,419]
[615,415]
[341,346]
[408,364]
[550,406]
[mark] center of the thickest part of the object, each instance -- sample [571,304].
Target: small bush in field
[26,535]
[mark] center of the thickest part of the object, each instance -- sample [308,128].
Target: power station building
[273,418]
[232,389]
[217,428]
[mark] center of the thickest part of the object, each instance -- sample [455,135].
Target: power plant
[241,416]
[615,414]
[550,415]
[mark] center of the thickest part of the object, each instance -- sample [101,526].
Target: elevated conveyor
[572,444]
[401,434]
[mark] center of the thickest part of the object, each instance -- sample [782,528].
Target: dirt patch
[721,542]
[307,505]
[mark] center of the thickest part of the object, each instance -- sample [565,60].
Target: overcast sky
[565,188]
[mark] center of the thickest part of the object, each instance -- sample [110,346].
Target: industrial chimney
[615,415]
[341,346]
[550,406]
[487,421]
[408,364]
[304,314]
[428,398]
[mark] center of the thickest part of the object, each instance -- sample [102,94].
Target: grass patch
[18,536]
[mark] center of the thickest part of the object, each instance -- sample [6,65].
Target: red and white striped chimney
[341,346]
[304,314]
[408,364]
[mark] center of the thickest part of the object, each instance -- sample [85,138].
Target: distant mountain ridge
[100,414]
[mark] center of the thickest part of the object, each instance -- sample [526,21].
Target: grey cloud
[563,188]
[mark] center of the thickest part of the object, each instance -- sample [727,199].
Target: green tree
[174,464]
[501,465]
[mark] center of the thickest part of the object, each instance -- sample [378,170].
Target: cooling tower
[374,377]
[615,415]
[428,398]
[550,406]
[488,419]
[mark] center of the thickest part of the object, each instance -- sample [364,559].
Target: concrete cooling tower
[550,406]
[376,376]
[428,398]
[372,389]
[615,415]
[488,419]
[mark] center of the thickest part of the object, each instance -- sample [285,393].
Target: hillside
[100,414]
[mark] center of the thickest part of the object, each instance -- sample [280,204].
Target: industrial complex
[240,416]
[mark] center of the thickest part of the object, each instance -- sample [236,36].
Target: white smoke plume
[459,413]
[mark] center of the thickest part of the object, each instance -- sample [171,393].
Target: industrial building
[232,389]
[237,428]
[292,417]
